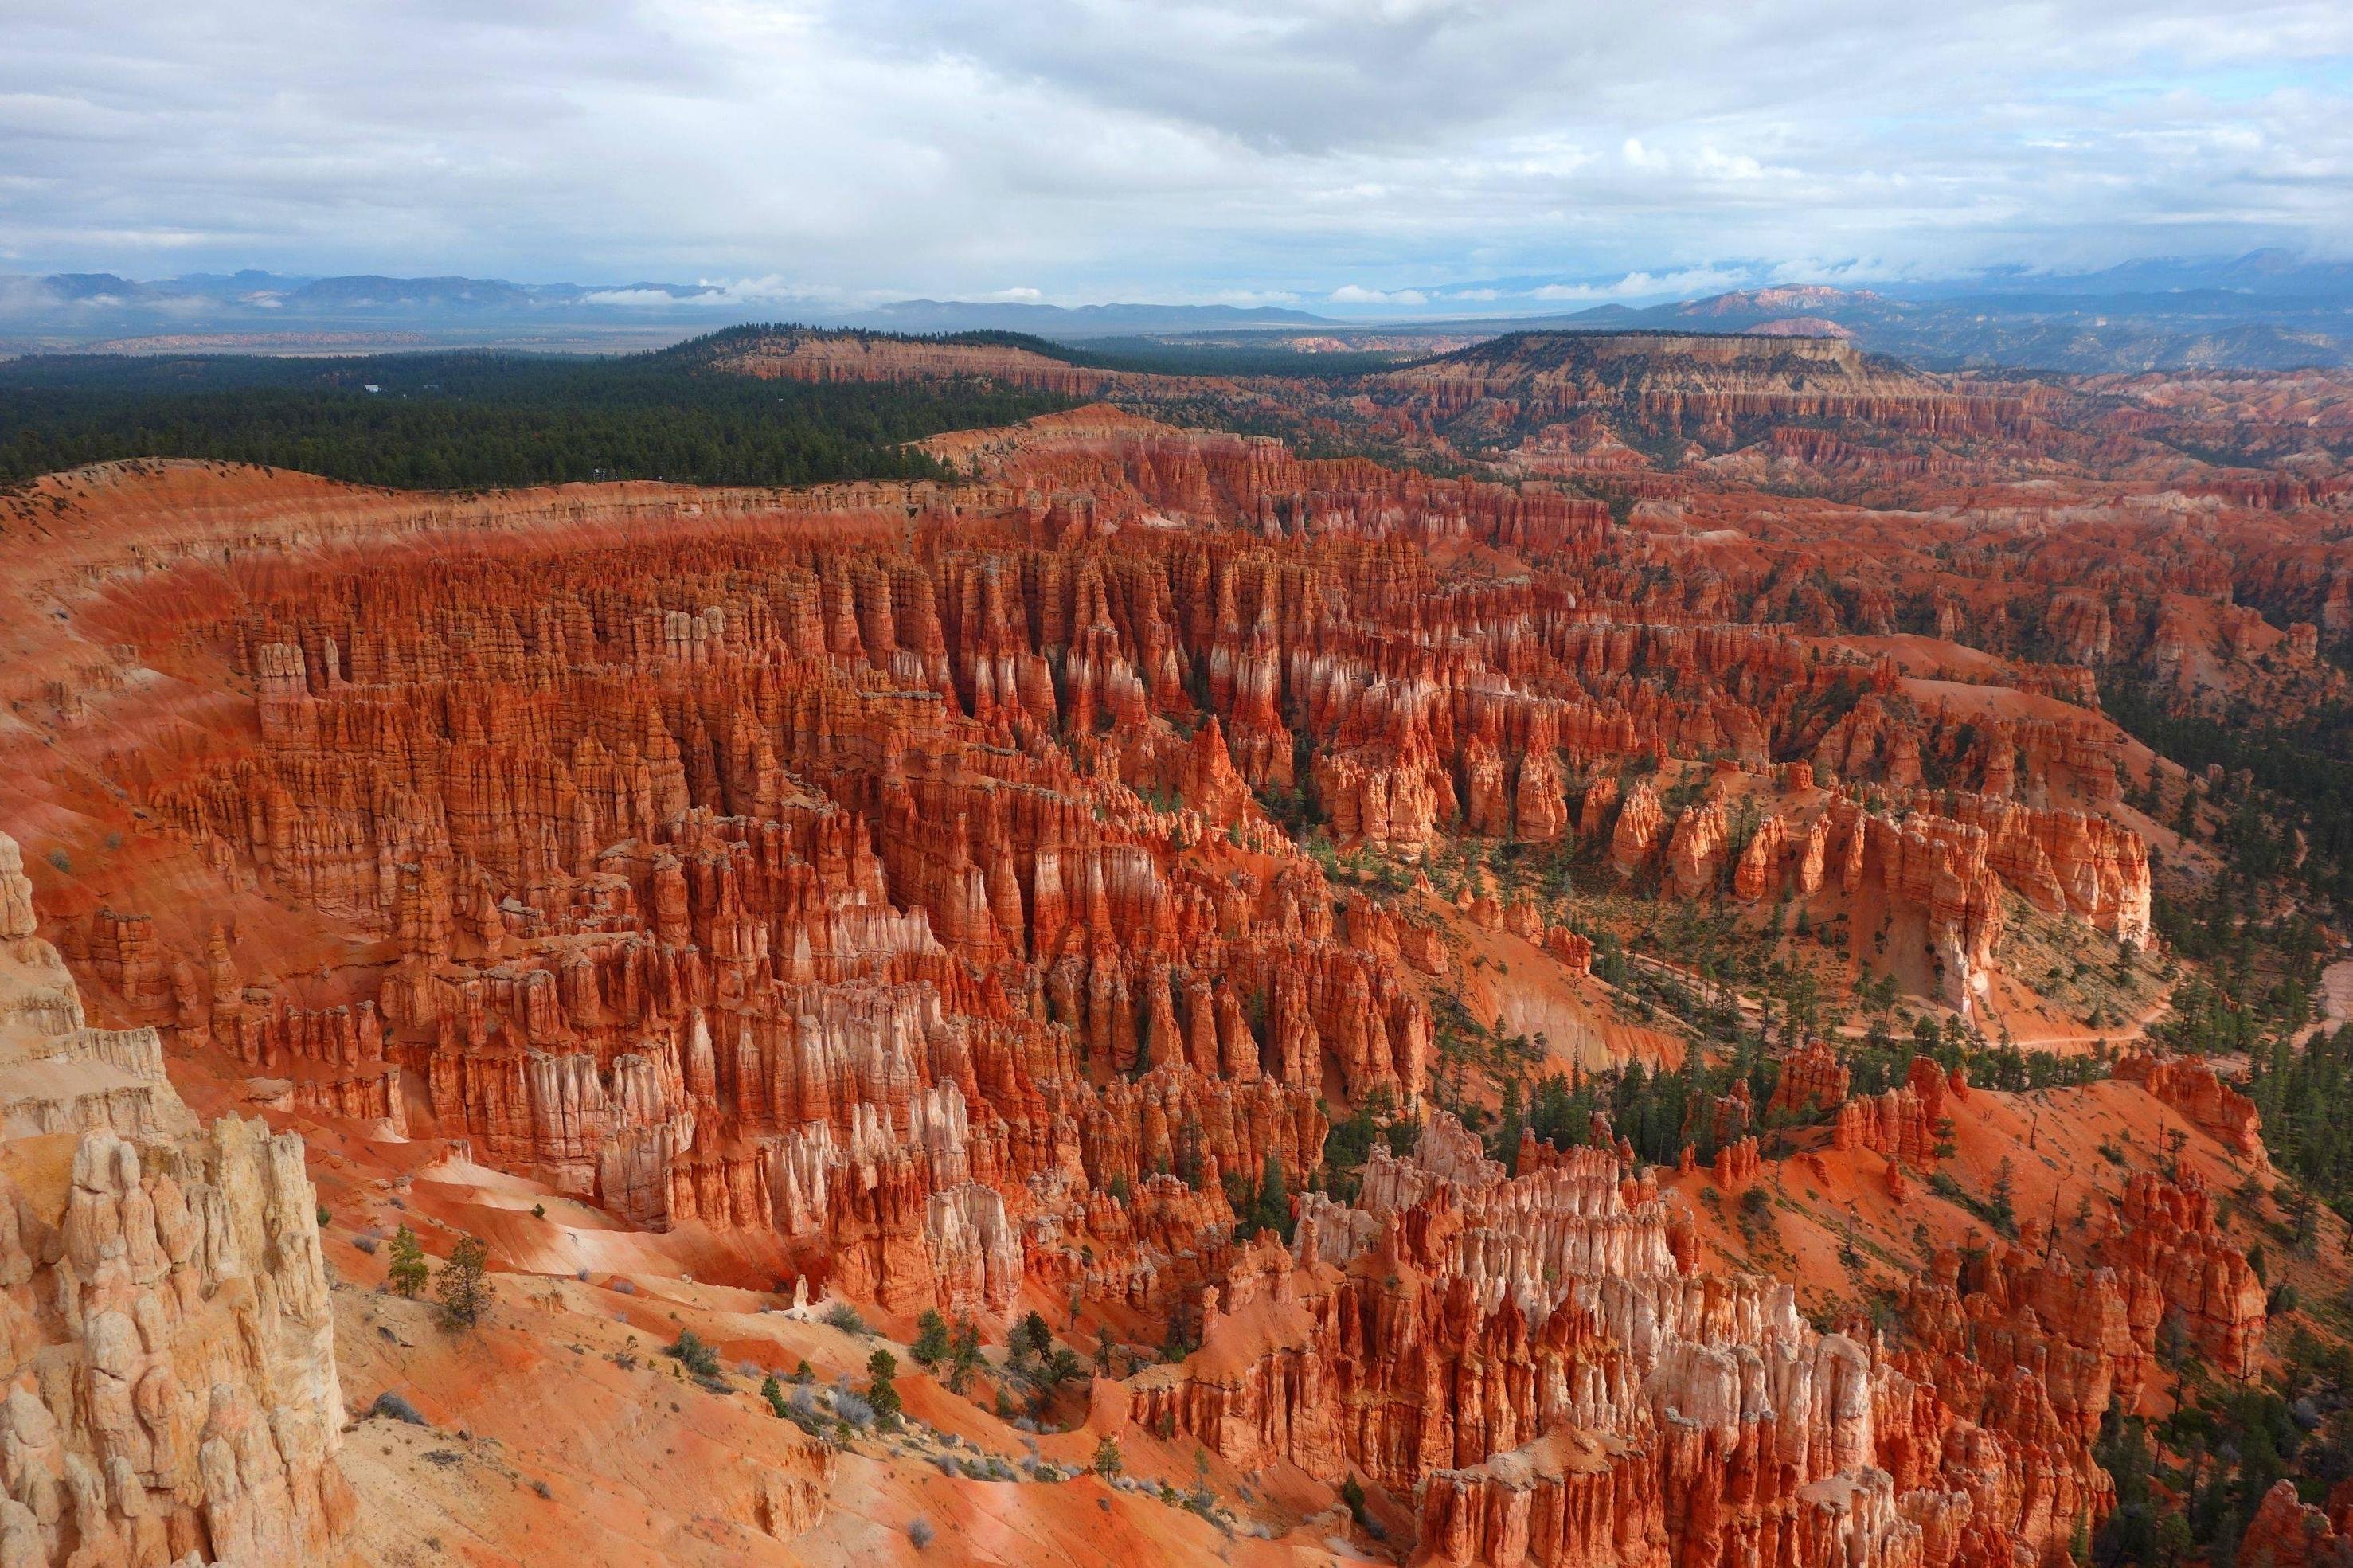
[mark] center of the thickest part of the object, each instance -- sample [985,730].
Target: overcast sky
[1290,150]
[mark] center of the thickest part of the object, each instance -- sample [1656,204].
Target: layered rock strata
[172,1394]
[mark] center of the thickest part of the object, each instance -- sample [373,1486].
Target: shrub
[773,1393]
[842,1315]
[920,1532]
[389,1403]
[699,1358]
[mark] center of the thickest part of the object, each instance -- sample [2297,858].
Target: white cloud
[843,151]
[1644,286]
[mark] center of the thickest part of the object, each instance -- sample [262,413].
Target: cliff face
[173,1395]
[909,888]
[875,868]
[849,357]
[1709,388]
[1544,1362]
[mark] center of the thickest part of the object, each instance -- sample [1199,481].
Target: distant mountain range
[102,307]
[2265,310]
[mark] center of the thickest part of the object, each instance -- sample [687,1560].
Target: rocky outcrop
[1903,1124]
[1543,1360]
[2287,1532]
[2192,1086]
[2167,1239]
[172,1392]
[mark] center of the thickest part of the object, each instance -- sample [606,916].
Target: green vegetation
[1265,1208]
[472,420]
[464,1285]
[697,1357]
[1350,1141]
[932,1344]
[407,1273]
[2299,772]
[882,1386]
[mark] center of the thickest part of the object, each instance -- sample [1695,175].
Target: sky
[1329,155]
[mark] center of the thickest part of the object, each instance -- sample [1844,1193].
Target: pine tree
[964,1356]
[1274,1200]
[882,1391]
[407,1274]
[932,1345]
[2001,1213]
[464,1285]
[1507,1135]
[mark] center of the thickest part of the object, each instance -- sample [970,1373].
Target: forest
[471,420]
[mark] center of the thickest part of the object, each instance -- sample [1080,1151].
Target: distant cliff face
[852,356]
[1715,390]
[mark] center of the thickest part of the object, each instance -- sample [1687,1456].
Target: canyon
[1007,895]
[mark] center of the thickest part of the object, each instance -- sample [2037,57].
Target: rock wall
[172,1394]
[1543,1363]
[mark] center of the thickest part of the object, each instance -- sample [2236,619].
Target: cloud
[1646,286]
[845,151]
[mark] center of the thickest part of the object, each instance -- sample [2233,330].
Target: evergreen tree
[932,1344]
[407,1273]
[1274,1212]
[964,1356]
[882,1388]
[464,1285]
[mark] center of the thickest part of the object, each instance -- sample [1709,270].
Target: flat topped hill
[1539,355]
